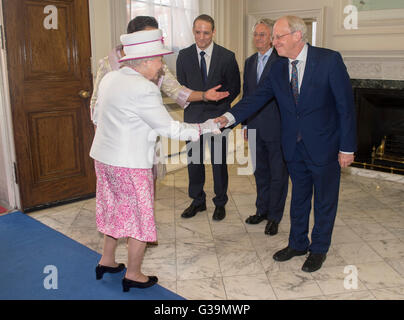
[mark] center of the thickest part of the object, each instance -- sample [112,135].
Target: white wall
[101,30]
[375,50]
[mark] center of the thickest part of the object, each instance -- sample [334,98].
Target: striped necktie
[294,82]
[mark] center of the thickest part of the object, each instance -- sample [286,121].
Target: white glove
[209,126]
[198,129]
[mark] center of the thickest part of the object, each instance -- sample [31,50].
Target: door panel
[52,128]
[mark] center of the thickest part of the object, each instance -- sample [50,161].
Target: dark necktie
[294,82]
[204,73]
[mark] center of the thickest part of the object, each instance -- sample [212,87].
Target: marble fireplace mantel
[376,84]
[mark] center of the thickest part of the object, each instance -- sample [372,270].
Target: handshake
[210,126]
[214,125]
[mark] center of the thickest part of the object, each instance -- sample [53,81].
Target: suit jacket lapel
[214,61]
[253,72]
[267,65]
[308,74]
[285,85]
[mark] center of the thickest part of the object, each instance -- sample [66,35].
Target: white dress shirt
[264,58]
[130,115]
[208,56]
[301,65]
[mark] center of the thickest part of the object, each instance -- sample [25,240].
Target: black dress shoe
[287,253]
[314,262]
[255,219]
[127,284]
[193,210]
[219,214]
[100,270]
[271,228]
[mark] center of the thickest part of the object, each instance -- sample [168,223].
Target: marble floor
[199,258]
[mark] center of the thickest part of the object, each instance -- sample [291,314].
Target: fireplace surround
[380,124]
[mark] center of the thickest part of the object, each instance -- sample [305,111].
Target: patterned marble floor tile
[202,289]
[165,232]
[372,231]
[194,230]
[379,275]
[164,269]
[344,234]
[393,248]
[194,254]
[359,252]
[334,280]
[161,251]
[196,261]
[294,285]
[164,216]
[245,200]
[360,295]
[395,226]
[233,241]
[234,262]
[397,264]
[389,294]
[227,227]
[89,205]
[251,287]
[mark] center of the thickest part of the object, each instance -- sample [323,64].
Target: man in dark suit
[271,175]
[201,66]
[314,94]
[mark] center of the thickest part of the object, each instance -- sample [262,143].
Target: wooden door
[48,56]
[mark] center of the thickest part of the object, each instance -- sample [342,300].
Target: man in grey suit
[271,175]
[204,65]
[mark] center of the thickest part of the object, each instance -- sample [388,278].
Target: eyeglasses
[260,35]
[277,37]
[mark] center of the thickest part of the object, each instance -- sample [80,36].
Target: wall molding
[369,22]
[252,17]
[380,67]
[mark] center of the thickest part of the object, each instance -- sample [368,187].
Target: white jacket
[130,115]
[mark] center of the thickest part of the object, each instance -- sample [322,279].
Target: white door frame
[6,125]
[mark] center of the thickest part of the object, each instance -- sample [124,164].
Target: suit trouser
[196,169]
[271,178]
[324,181]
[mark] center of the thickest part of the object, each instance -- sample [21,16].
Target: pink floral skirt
[125,202]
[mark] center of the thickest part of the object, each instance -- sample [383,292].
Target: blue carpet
[27,247]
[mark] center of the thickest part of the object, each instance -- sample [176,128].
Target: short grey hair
[135,62]
[297,24]
[268,22]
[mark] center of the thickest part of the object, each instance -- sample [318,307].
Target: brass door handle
[84,94]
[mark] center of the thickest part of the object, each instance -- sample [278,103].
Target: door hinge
[15,173]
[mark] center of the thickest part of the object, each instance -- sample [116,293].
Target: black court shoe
[100,270]
[127,284]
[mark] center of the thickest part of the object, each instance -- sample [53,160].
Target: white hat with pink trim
[143,44]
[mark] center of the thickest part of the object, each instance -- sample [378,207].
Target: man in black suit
[201,66]
[271,175]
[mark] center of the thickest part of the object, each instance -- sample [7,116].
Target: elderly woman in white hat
[130,114]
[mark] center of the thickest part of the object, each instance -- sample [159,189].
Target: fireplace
[380,125]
